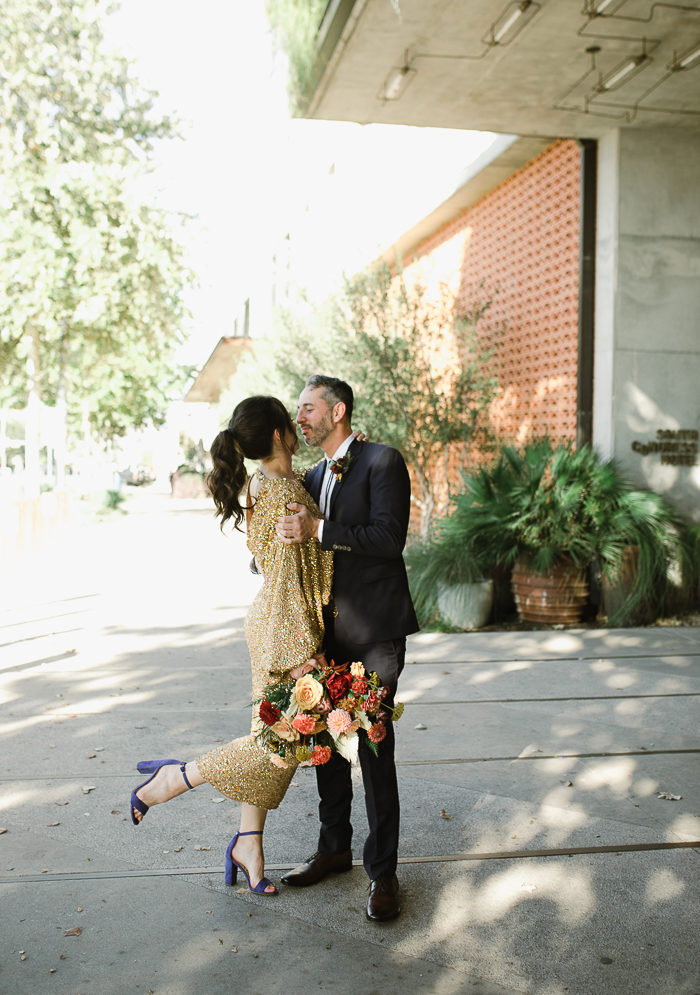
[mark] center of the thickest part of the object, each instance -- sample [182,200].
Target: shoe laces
[382,883]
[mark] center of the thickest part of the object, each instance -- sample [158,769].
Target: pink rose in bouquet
[285,731]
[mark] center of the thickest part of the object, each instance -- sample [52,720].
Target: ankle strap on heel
[182,771]
[251,832]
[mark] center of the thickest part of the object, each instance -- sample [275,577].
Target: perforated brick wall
[521,242]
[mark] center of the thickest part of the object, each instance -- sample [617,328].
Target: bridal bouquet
[329,709]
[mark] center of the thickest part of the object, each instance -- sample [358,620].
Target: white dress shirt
[329,481]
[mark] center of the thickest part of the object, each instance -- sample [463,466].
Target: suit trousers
[378,773]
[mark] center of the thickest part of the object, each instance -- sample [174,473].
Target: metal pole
[3,441]
[586,291]
[31,430]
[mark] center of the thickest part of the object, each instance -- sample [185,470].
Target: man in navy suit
[366,508]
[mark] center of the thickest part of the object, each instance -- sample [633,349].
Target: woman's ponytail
[250,434]
[227,478]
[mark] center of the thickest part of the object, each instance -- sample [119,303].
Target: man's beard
[318,435]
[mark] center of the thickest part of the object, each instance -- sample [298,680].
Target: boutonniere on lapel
[341,466]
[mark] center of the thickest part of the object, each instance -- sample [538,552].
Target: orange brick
[521,241]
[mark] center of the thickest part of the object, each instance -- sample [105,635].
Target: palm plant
[435,562]
[543,505]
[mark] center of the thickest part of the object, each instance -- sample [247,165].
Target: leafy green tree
[422,373]
[91,276]
[295,25]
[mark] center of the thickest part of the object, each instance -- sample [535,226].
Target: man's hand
[299,526]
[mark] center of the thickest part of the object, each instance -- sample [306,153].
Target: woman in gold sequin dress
[284,627]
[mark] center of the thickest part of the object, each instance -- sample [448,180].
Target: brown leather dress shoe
[383,901]
[317,867]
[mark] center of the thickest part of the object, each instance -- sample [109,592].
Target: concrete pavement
[125,642]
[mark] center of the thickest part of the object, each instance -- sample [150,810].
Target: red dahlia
[337,686]
[268,713]
[359,686]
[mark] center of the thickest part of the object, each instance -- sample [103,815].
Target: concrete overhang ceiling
[548,68]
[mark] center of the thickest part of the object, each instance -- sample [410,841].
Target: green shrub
[542,504]
[113,499]
[295,25]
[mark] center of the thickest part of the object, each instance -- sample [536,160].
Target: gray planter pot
[466,606]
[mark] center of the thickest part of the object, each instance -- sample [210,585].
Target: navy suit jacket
[366,527]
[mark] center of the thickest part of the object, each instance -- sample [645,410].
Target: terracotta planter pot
[556,597]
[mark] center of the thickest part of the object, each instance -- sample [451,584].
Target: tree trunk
[31,427]
[60,420]
[426,502]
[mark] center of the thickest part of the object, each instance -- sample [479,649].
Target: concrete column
[647,340]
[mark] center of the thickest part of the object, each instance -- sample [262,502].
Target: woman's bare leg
[167,784]
[249,849]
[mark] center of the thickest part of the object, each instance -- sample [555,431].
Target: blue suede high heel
[232,866]
[151,767]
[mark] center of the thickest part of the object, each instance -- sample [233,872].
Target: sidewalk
[128,644]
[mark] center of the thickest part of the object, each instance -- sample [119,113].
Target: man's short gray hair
[335,391]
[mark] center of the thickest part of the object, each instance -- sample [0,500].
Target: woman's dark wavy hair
[249,434]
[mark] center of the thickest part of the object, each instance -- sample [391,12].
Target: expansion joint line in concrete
[409,704]
[582,697]
[552,659]
[540,756]
[438,859]
[399,763]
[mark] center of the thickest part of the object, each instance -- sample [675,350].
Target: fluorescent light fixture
[624,72]
[603,5]
[512,20]
[396,83]
[689,59]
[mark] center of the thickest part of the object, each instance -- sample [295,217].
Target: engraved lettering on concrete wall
[677,447]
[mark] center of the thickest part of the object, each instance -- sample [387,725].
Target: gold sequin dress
[283,628]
